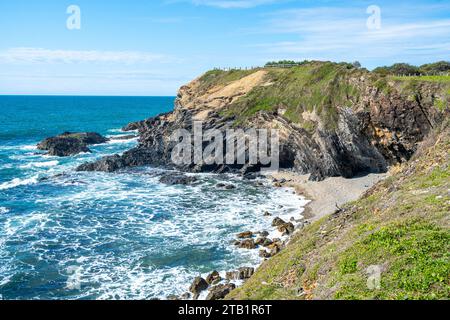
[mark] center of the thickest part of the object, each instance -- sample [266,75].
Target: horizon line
[84,95]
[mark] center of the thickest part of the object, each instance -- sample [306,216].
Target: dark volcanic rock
[107,164]
[68,144]
[173,179]
[220,291]
[372,130]
[133,126]
[198,285]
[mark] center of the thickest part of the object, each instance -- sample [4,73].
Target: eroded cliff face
[332,121]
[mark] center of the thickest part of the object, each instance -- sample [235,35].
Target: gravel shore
[327,195]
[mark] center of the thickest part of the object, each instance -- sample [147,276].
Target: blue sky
[140,47]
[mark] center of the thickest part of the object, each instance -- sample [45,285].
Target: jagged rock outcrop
[68,144]
[338,122]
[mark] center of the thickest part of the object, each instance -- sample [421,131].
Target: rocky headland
[333,119]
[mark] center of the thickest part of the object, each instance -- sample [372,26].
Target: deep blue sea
[69,235]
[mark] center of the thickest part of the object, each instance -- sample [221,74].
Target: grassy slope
[315,86]
[401,225]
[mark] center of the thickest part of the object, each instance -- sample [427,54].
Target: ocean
[73,235]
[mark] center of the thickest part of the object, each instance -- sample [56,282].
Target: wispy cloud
[40,55]
[341,33]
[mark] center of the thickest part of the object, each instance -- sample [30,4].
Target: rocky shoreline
[322,203]
[216,287]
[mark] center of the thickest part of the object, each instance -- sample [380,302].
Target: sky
[137,47]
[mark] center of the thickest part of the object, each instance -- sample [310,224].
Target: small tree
[356,65]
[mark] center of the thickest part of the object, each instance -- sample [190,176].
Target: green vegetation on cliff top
[319,87]
[400,228]
[315,86]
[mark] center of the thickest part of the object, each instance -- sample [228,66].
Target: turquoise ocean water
[69,235]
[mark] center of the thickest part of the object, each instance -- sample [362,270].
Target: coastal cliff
[333,119]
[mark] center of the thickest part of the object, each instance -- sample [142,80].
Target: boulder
[240,274]
[286,228]
[278,222]
[263,233]
[260,241]
[245,235]
[220,291]
[198,285]
[264,253]
[213,278]
[247,244]
[185,296]
[267,242]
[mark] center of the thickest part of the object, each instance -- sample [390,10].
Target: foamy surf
[19,182]
[44,164]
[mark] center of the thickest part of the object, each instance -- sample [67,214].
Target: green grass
[440,79]
[319,87]
[221,77]
[418,268]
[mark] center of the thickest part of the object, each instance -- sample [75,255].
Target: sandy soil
[329,194]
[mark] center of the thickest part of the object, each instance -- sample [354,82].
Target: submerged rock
[69,144]
[173,179]
[225,186]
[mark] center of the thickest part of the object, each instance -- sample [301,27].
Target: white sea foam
[44,164]
[19,147]
[18,182]
[117,141]
[3,210]
[171,218]
[28,147]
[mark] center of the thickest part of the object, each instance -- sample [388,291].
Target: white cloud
[40,55]
[341,34]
